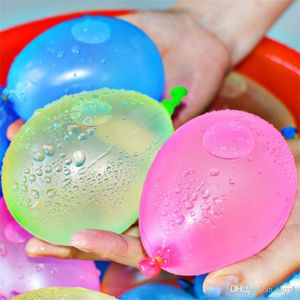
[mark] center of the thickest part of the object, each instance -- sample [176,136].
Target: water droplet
[68,161]
[67,172]
[91,131]
[40,267]
[91,31]
[67,138]
[194,197]
[67,181]
[32,177]
[49,150]
[47,179]
[214,172]
[228,140]
[91,112]
[60,54]
[58,168]
[205,194]
[217,200]
[231,181]
[38,172]
[189,204]
[51,193]
[82,137]
[39,156]
[62,155]
[75,50]
[73,129]
[79,158]
[260,172]
[178,190]
[48,168]
[180,219]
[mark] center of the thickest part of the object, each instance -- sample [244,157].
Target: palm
[192,57]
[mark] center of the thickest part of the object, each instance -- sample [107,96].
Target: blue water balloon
[84,54]
[7,116]
[156,291]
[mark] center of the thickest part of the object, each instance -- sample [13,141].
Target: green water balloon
[80,163]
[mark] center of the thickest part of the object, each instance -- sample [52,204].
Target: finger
[14,128]
[106,245]
[38,248]
[295,147]
[261,272]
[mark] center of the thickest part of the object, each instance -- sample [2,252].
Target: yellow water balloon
[80,163]
[64,294]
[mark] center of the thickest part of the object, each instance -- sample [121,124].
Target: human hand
[272,265]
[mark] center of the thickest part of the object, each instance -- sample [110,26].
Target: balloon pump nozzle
[177,93]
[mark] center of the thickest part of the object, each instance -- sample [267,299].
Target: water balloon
[220,190]
[80,163]
[20,273]
[84,54]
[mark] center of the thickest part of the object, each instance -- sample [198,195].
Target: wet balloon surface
[64,294]
[84,54]
[80,163]
[233,184]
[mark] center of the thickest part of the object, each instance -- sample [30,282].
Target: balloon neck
[177,93]
[150,267]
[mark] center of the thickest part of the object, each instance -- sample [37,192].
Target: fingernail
[79,241]
[220,285]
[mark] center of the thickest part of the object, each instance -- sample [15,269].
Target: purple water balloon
[20,273]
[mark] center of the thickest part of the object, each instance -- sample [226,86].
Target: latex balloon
[81,162]
[156,291]
[65,294]
[84,54]
[7,116]
[220,189]
[20,273]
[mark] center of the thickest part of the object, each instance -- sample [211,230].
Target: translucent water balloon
[156,291]
[20,273]
[220,189]
[7,116]
[64,294]
[81,162]
[84,54]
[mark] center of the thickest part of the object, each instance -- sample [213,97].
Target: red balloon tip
[150,267]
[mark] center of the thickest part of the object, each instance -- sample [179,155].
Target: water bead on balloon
[226,198]
[20,273]
[65,294]
[80,163]
[84,54]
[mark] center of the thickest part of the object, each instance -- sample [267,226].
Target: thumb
[256,275]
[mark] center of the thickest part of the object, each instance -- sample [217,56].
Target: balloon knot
[150,267]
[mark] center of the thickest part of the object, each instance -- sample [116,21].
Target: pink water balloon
[20,273]
[220,190]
